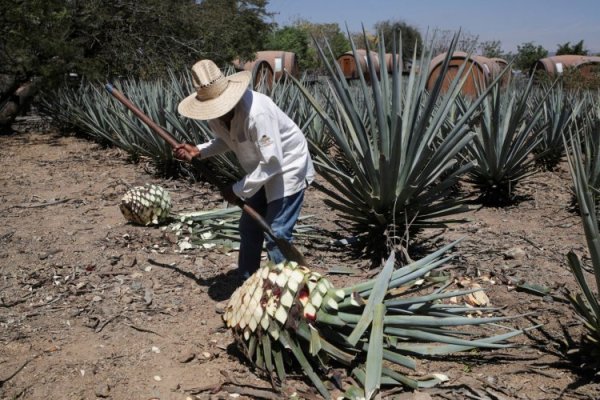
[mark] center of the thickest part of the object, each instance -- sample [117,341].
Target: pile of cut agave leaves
[288,309]
[217,229]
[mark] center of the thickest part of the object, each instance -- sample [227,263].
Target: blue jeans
[281,215]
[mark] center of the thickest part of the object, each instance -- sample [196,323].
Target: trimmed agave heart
[287,308]
[146,205]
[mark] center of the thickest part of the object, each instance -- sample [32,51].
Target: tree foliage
[231,28]
[576,49]
[294,39]
[100,39]
[37,38]
[411,37]
[320,34]
[528,54]
[491,49]
[302,36]
[361,39]
[441,39]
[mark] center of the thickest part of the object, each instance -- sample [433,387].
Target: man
[269,145]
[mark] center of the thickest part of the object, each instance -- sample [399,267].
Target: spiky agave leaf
[146,205]
[587,129]
[88,108]
[586,303]
[288,308]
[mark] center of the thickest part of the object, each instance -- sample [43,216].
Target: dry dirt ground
[94,308]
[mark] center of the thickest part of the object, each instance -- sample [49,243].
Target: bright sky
[512,22]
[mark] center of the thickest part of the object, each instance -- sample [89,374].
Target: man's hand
[186,151]
[228,195]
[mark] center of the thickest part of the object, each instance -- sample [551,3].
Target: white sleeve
[212,148]
[267,139]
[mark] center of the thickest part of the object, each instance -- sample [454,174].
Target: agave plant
[507,133]
[64,103]
[591,161]
[559,111]
[90,109]
[94,113]
[585,131]
[394,170]
[369,328]
[586,303]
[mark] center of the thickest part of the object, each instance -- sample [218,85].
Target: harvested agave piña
[146,205]
[286,308]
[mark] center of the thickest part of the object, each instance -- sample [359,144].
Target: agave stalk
[507,133]
[288,309]
[586,302]
[392,172]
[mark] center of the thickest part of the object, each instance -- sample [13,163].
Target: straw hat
[216,94]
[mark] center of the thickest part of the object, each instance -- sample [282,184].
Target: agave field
[452,248]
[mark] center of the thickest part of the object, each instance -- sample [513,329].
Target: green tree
[576,49]
[294,39]
[324,33]
[411,37]
[527,55]
[441,39]
[140,38]
[491,49]
[100,39]
[231,28]
[360,40]
[35,38]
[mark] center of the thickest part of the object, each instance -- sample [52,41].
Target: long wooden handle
[163,134]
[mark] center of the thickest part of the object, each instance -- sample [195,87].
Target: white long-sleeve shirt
[269,145]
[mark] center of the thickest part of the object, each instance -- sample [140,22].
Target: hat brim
[237,84]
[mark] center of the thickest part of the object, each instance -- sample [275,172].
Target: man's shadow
[220,287]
